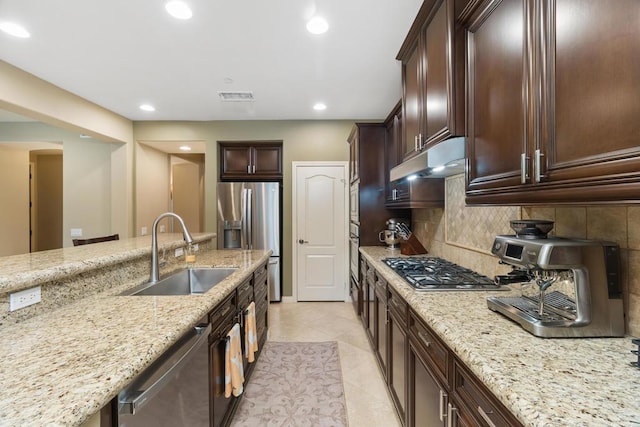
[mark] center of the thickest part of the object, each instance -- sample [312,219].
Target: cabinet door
[427,398]
[382,323]
[397,362]
[235,161]
[590,121]
[444,75]
[411,102]
[499,128]
[267,161]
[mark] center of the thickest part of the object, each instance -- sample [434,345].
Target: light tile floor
[368,402]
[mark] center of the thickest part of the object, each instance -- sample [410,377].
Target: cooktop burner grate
[433,274]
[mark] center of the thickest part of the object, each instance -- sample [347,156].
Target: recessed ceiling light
[185,148]
[178,9]
[147,107]
[14,30]
[317,25]
[319,106]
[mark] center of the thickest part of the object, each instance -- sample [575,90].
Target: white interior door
[320,233]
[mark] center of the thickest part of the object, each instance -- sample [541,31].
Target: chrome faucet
[155,268]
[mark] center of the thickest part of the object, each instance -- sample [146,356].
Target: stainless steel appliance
[174,390]
[390,235]
[428,273]
[249,218]
[569,287]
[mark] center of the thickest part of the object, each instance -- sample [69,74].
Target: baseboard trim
[288,299]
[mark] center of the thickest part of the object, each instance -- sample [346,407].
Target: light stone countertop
[61,367]
[23,271]
[543,382]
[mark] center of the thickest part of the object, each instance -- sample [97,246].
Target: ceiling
[122,53]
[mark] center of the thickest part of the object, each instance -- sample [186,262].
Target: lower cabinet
[222,318]
[428,384]
[398,345]
[427,401]
[381,317]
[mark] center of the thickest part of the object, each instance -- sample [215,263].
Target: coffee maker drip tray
[558,310]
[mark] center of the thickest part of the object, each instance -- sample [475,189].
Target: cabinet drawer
[398,306]
[224,310]
[426,340]
[381,288]
[245,294]
[480,403]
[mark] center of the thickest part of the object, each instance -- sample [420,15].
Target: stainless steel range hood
[444,159]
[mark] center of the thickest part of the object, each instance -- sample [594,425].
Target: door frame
[294,222]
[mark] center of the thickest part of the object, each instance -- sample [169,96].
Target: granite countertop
[23,271]
[61,367]
[543,382]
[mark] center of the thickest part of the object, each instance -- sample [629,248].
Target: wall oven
[354,256]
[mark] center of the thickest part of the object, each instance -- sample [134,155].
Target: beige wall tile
[633,316]
[633,224]
[607,223]
[571,222]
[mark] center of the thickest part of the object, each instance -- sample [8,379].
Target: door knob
[303,241]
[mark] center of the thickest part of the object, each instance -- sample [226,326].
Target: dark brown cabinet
[230,311]
[560,124]
[251,161]
[381,326]
[432,58]
[367,204]
[397,374]
[419,193]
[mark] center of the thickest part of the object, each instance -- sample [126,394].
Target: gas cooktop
[437,274]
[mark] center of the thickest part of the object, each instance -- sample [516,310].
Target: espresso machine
[568,287]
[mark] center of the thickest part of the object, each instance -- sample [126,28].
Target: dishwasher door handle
[139,393]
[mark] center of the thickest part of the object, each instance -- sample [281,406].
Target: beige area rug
[294,384]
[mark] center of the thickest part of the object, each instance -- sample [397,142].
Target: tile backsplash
[464,234]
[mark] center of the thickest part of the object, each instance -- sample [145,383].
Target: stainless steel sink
[185,282]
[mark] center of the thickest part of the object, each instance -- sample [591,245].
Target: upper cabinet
[432,58]
[251,161]
[552,101]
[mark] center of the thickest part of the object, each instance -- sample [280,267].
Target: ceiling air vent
[244,96]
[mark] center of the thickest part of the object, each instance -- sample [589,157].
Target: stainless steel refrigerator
[249,218]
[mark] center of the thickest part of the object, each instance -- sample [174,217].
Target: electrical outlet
[162,228]
[24,298]
[76,232]
[195,247]
[179,252]
[143,231]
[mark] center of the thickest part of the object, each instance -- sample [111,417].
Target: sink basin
[184,282]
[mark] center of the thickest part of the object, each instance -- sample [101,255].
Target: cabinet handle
[420,141]
[524,173]
[537,165]
[443,405]
[485,416]
[415,143]
[424,339]
[253,169]
[394,194]
[452,420]
[248,169]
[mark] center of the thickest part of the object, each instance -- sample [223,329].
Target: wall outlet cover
[143,231]
[179,252]
[25,298]
[162,228]
[76,232]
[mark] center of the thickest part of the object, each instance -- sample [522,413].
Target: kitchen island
[542,382]
[59,368]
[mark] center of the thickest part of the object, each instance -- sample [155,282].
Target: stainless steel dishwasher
[174,390]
